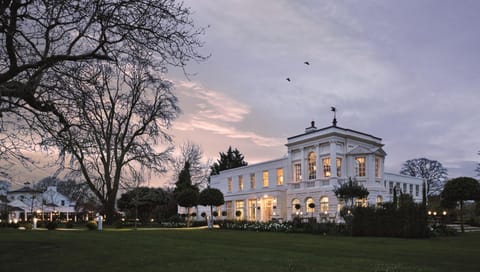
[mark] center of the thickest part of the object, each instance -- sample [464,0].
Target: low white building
[45,205]
[318,160]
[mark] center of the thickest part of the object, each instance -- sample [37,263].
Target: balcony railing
[318,183]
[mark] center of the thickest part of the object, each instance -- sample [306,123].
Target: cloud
[217,113]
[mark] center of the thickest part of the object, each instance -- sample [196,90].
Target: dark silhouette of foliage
[211,197]
[432,171]
[458,190]
[232,159]
[349,191]
[186,194]
[143,202]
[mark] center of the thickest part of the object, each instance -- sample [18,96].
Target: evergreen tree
[232,159]
[185,192]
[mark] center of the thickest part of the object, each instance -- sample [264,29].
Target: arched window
[310,205]
[324,204]
[312,165]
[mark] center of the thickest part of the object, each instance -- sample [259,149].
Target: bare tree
[116,129]
[42,39]
[432,171]
[193,154]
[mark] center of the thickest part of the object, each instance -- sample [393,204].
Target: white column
[371,168]
[303,165]
[333,158]
[318,162]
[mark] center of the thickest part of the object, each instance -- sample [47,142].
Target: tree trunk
[109,207]
[461,216]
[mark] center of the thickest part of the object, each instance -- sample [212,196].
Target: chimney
[311,128]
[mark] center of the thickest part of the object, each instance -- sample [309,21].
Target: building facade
[302,183]
[26,201]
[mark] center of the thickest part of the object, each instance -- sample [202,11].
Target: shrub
[69,225]
[215,213]
[51,225]
[238,213]
[224,213]
[26,226]
[118,224]
[203,214]
[91,225]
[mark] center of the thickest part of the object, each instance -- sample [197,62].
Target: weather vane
[334,116]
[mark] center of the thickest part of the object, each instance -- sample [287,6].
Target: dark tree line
[229,160]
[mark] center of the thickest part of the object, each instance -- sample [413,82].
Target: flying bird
[288,79]
[307,63]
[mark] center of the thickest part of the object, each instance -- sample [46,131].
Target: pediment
[359,150]
[380,152]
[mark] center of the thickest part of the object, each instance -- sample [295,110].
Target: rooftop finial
[334,116]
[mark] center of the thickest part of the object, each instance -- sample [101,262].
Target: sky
[404,71]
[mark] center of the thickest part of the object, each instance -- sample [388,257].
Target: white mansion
[317,161]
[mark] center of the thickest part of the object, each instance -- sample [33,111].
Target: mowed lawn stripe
[203,250]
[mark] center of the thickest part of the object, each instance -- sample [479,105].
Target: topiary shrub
[224,213]
[203,214]
[51,225]
[238,213]
[91,225]
[215,213]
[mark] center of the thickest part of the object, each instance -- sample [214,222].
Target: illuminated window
[326,167]
[229,185]
[361,202]
[297,172]
[240,183]
[265,178]
[360,166]
[378,168]
[339,167]
[279,176]
[323,204]
[379,200]
[239,205]
[252,181]
[310,205]
[229,207]
[312,166]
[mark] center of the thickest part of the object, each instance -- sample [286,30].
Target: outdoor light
[444,213]
[434,213]
[429,212]
[325,212]
[151,220]
[123,219]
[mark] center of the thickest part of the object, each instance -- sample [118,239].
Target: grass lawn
[203,250]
